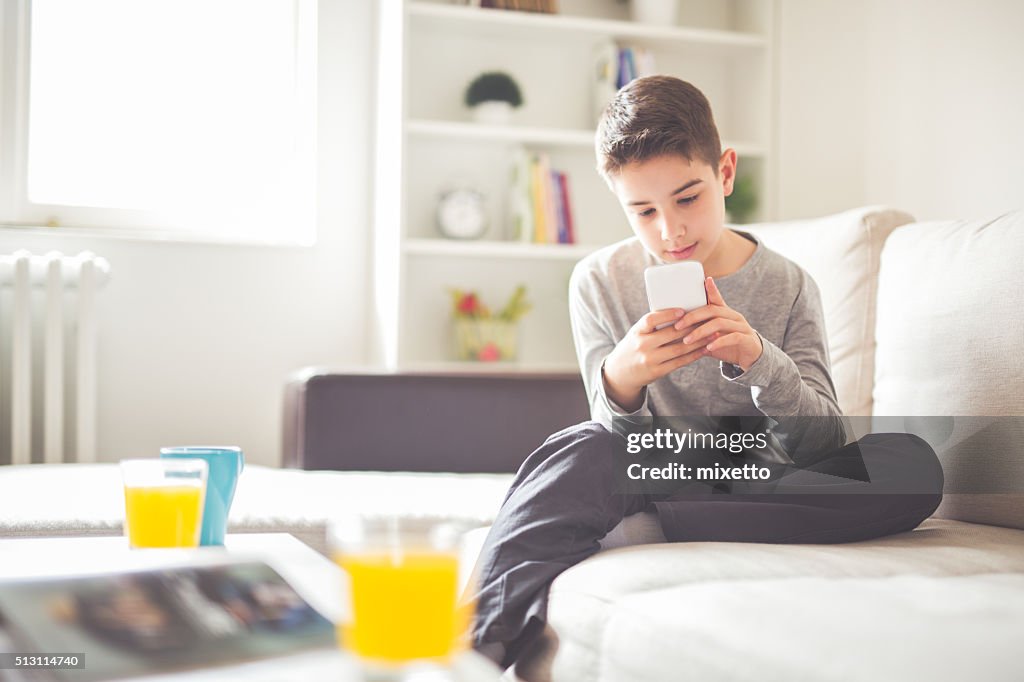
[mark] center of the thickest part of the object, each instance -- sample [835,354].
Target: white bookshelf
[428,51]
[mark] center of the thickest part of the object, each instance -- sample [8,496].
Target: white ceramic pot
[493,113]
[655,12]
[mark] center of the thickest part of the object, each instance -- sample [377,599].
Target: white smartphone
[676,285]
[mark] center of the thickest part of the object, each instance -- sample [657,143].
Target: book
[623,70]
[548,201]
[630,65]
[563,186]
[543,6]
[559,211]
[645,62]
[155,621]
[605,76]
[520,203]
[537,200]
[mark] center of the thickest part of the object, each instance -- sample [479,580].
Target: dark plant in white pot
[492,96]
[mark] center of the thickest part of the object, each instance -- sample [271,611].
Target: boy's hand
[645,354]
[726,333]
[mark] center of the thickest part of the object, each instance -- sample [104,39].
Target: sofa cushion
[646,613]
[895,628]
[46,500]
[950,343]
[840,252]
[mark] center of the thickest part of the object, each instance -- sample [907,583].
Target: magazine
[156,621]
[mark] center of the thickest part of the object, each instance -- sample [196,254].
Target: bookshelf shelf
[428,51]
[557,137]
[532,135]
[435,15]
[491,368]
[497,249]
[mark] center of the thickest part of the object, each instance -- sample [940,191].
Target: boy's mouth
[683,253]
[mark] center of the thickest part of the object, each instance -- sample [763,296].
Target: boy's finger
[661,339]
[714,295]
[701,314]
[672,346]
[684,359]
[725,341]
[704,313]
[651,321]
[719,324]
[698,315]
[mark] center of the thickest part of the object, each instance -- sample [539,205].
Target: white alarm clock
[461,214]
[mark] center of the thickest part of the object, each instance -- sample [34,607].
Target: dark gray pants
[563,501]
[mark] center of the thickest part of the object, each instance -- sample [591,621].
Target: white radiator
[48,356]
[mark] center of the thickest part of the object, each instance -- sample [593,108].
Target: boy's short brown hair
[652,117]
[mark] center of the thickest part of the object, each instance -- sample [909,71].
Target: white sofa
[923,319]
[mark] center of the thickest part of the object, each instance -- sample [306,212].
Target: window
[195,117]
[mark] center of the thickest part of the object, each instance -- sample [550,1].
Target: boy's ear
[727,170]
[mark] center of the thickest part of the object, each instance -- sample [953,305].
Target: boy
[756,351]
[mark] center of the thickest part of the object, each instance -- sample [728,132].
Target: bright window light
[191,115]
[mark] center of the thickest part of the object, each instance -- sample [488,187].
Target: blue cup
[225,465]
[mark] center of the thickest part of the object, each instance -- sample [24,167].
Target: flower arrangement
[481,335]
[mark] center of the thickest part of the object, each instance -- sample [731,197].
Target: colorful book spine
[630,65]
[620,77]
[540,210]
[537,200]
[556,200]
[563,190]
[548,198]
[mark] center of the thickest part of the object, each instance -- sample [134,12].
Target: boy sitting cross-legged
[757,351]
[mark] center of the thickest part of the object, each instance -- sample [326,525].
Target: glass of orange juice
[405,576]
[163,501]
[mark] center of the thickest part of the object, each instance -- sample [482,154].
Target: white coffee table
[318,580]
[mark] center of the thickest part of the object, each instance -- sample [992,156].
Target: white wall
[197,340]
[915,104]
[948,142]
[821,83]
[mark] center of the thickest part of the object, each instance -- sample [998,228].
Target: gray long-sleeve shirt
[780,301]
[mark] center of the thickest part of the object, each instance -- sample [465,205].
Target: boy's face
[677,206]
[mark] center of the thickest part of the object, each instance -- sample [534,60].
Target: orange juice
[403,605]
[163,516]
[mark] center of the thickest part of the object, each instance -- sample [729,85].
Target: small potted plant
[481,335]
[492,96]
[741,204]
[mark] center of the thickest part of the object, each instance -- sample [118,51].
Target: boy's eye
[683,201]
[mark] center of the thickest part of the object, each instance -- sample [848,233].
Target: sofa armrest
[469,423]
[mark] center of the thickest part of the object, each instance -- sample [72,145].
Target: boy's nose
[671,231]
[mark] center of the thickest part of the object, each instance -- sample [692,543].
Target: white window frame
[18,213]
